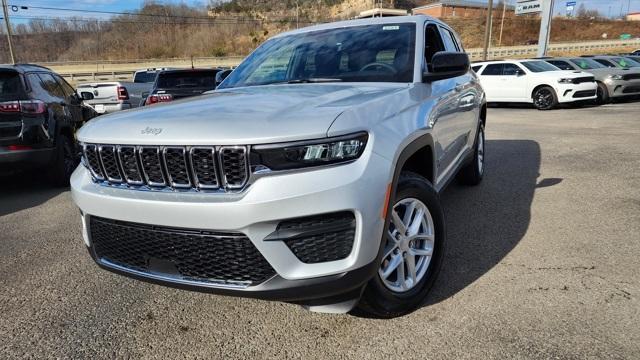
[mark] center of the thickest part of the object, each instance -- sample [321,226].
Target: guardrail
[122,70]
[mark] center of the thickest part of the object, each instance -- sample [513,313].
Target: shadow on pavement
[484,223]
[24,190]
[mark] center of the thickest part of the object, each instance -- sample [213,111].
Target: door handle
[459,88]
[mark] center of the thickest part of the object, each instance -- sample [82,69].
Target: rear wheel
[412,253]
[545,98]
[65,162]
[472,173]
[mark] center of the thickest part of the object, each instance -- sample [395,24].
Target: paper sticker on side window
[391,27]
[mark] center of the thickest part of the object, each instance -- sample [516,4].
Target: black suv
[39,114]
[177,84]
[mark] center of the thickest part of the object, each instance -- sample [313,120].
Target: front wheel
[545,98]
[602,94]
[412,253]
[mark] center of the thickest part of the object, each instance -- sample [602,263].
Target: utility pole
[6,21]
[487,30]
[545,27]
[297,16]
[504,8]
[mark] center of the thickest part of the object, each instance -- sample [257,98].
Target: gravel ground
[542,262]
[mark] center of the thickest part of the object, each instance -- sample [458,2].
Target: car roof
[22,68]
[419,19]
[189,70]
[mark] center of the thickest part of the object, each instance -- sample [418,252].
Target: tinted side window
[449,40]
[66,88]
[36,84]
[51,86]
[493,69]
[563,65]
[510,69]
[605,63]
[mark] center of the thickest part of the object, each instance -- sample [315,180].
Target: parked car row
[550,81]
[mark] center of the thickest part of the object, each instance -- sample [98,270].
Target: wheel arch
[541,86]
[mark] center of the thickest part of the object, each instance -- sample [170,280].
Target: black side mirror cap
[520,73]
[446,65]
[221,75]
[85,95]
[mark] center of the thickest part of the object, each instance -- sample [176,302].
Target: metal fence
[122,70]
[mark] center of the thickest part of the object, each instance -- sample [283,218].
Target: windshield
[371,53]
[187,79]
[625,62]
[586,64]
[539,66]
[145,77]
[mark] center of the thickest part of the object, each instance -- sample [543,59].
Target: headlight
[308,153]
[565,81]
[616,77]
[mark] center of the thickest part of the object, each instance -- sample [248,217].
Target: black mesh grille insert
[91,154]
[130,164]
[188,254]
[150,158]
[234,166]
[177,166]
[631,76]
[584,93]
[204,168]
[583,79]
[319,238]
[110,163]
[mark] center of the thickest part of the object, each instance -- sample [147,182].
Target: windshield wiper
[312,80]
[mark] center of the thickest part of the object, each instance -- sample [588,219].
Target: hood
[249,115]
[566,74]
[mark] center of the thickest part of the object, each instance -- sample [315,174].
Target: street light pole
[487,30]
[6,21]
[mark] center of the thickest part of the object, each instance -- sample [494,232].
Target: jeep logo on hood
[151,131]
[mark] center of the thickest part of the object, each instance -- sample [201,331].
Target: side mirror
[446,65]
[520,72]
[86,95]
[221,75]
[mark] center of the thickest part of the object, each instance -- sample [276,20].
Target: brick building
[461,8]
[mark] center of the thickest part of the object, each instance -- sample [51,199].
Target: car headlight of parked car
[294,155]
[616,77]
[565,81]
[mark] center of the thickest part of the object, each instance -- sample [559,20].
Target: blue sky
[606,7]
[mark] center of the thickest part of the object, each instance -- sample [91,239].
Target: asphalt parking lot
[542,262]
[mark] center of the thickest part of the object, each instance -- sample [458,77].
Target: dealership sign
[528,7]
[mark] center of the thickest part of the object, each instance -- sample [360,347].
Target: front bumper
[359,187]
[622,88]
[576,92]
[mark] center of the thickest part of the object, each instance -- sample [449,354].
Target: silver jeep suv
[311,175]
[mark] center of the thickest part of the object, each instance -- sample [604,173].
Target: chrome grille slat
[128,156]
[110,163]
[151,164]
[93,161]
[175,161]
[169,168]
[235,169]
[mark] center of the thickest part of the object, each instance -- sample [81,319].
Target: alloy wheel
[543,98]
[481,151]
[409,244]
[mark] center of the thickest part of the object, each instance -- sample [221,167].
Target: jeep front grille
[169,167]
[194,255]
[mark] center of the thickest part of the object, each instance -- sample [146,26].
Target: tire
[391,297]
[473,173]
[545,98]
[65,161]
[602,94]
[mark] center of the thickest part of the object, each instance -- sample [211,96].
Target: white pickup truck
[108,97]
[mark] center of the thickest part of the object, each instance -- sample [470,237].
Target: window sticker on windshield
[391,27]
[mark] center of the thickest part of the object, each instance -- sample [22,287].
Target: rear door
[73,101]
[490,78]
